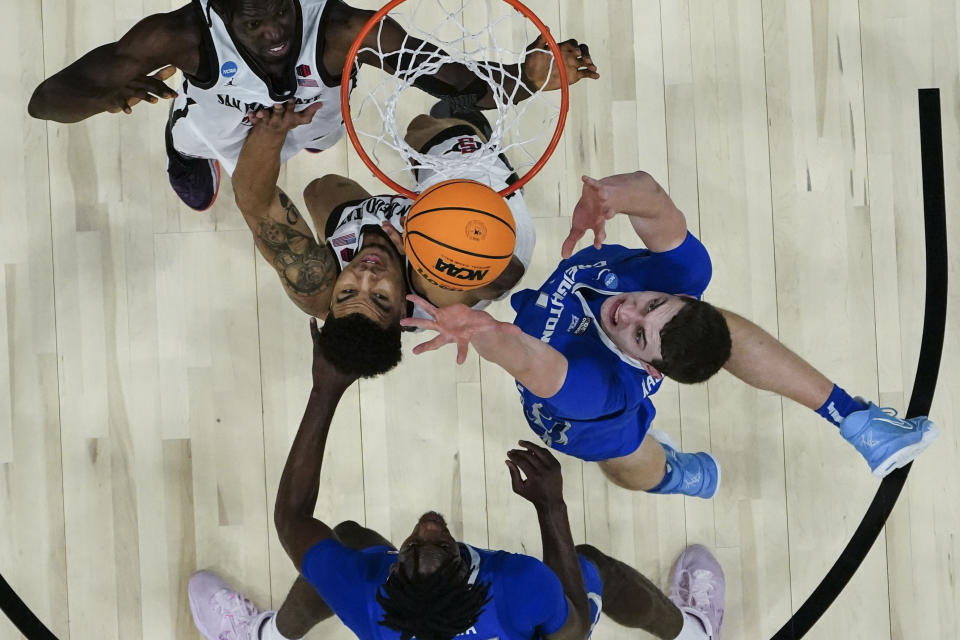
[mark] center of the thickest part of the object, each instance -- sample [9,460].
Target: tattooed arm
[306,268]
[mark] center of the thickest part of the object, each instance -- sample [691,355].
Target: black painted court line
[21,615]
[928,367]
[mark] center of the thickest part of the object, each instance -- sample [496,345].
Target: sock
[693,628]
[838,406]
[268,629]
[673,475]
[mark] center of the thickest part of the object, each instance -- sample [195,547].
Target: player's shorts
[594,587]
[589,444]
[591,440]
[197,136]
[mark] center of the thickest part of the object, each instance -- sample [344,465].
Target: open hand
[457,323]
[394,235]
[146,88]
[538,69]
[283,117]
[592,212]
[325,375]
[544,484]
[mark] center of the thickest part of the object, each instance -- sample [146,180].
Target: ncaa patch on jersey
[610,280]
[581,328]
[228,69]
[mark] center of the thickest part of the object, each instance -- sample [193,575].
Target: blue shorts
[594,586]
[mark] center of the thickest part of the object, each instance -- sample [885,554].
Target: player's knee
[320,186]
[345,528]
[422,121]
[417,127]
[597,558]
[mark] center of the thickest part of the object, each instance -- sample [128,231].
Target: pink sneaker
[698,587]
[221,613]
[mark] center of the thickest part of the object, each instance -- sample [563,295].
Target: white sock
[269,631]
[694,628]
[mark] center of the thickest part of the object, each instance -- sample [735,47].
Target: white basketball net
[487,36]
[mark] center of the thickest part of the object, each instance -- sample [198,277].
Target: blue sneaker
[886,441]
[691,474]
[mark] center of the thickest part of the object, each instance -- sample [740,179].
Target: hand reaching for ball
[457,323]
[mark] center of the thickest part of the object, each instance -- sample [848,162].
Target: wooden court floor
[152,372]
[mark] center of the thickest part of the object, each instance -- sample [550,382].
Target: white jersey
[211,115]
[346,225]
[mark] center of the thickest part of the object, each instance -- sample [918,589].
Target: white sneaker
[699,588]
[219,612]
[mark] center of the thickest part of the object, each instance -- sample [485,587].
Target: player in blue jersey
[436,588]
[592,344]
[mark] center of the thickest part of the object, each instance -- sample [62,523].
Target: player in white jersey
[238,57]
[356,276]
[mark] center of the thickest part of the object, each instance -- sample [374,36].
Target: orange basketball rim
[345,87]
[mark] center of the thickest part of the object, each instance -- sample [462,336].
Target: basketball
[459,235]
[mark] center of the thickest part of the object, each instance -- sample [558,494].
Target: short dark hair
[694,344]
[436,606]
[357,345]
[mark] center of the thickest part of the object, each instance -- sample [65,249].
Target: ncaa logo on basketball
[461,273]
[229,69]
[475,230]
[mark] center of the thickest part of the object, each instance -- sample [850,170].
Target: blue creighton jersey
[527,599]
[603,409]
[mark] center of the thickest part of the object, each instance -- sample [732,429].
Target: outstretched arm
[763,362]
[299,486]
[306,268]
[654,216]
[533,363]
[116,76]
[543,487]
[453,78]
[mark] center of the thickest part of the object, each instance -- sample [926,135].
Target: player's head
[266,28]
[372,283]
[428,594]
[677,336]
[357,345]
[361,334]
